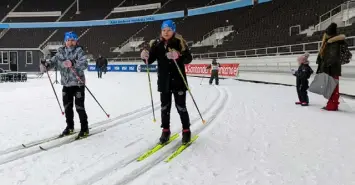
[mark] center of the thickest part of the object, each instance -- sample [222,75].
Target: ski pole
[150,89]
[77,76]
[55,93]
[188,89]
[201,80]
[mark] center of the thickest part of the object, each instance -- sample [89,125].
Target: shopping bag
[323,84]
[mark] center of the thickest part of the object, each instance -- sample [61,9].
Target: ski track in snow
[133,158]
[138,169]
[96,128]
[68,170]
[40,116]
[254,145]
[255,135]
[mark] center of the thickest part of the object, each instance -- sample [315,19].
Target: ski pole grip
[76,74]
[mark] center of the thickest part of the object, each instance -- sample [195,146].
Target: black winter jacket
[169,78]
[304,72]
[330,62]
[101,62]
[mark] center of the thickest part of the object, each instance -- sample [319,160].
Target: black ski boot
[83,134]
[67,131]
[186,136]
[165,136]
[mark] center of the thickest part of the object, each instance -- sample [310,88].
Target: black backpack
[345,54]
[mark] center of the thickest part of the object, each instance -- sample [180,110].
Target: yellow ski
[180,149]
[156,148]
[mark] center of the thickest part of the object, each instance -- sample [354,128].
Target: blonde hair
[151,43]
[182,41]
[324,44]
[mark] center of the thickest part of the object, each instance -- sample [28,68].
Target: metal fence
[295,49]
[286,67]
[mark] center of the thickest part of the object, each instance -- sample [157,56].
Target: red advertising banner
[200,69]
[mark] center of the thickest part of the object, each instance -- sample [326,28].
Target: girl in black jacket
[303,73]
[164,50]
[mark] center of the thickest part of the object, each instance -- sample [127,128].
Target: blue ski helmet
[70,35]
[169,24]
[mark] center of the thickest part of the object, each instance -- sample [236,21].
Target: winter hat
[306,54]
[332,29]
[303,58]
[169,24]
[70,35]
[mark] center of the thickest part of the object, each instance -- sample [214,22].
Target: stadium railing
[295,49]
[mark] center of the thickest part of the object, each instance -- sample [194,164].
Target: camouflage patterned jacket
[78,56]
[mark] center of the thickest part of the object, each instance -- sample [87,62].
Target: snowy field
[254,135]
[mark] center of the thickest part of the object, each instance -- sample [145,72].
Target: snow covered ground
[254,135]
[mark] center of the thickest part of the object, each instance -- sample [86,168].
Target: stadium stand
[6,6]
[273,29]
[115,36]
[263,25]
[25,38]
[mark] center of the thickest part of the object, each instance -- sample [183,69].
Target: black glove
[44,63]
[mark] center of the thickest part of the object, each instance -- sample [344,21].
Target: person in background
[101,64]
[303,73]
[329,61]
[214,71]
[106,64]
[71,61]
[169,47]
[42,69]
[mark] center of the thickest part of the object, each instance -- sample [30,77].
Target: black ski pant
[180,104]
[214,75]
[68,101]
[302,87]
[99,72]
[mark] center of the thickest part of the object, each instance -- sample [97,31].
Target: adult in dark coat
[329,62]
[164,50]
[105,67]
[101,64]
